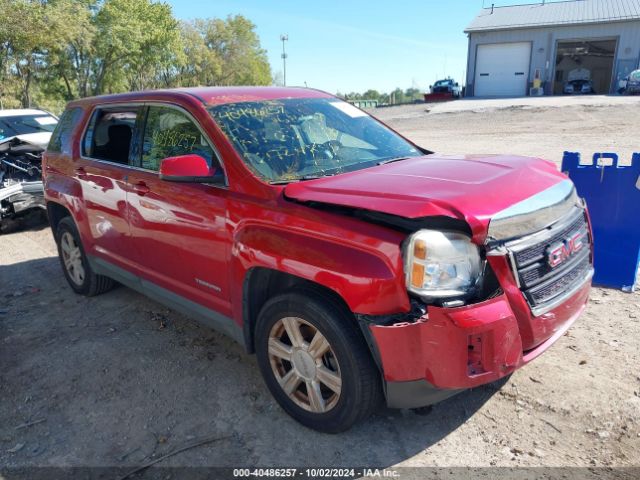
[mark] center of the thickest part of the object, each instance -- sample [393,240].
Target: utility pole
[284,38]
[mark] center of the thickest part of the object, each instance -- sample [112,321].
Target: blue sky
[354,45]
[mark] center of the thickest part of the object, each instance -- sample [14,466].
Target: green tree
[412,94]
[71,59]
[52,51]
[371,95]
[26,38]
[243,61]
[200,65]
[134,40]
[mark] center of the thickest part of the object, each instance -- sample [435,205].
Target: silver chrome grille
[545,286]
[535,213]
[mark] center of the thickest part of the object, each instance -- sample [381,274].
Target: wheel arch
[261,284]
[367,273]
[56,212]
[364,274]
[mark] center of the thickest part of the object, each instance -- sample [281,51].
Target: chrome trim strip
[497,251]
[542,309]
[534,213]
[532,239]
[116,164]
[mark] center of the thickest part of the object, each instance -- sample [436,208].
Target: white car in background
[579,82]
[24,135]
[632,86]
[30,125]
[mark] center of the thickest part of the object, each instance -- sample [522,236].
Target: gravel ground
[536,127]
[117,380]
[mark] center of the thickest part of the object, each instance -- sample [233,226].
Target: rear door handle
[141,188]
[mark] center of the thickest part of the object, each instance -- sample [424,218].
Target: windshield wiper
[315,176]
[299,179]
[391,160]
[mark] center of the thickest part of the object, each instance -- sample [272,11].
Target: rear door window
[110,135]
[169,132]
[60,141]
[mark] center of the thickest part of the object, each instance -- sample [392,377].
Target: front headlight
[441,264]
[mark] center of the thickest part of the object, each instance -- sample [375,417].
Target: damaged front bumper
[448,350]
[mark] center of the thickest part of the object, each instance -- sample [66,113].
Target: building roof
[543,14]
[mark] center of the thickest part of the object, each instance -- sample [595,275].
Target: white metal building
[511,46]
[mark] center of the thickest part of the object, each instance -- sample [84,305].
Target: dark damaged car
[24,135]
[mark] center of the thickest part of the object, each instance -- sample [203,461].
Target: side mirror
[189,169]
[430,86]
[457,84]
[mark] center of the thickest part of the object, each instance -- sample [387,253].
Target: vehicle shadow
[153,380]
[393,436]
[32,220]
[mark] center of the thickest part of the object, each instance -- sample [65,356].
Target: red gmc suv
[355,264]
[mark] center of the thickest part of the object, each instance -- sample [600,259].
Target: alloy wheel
[304,364]
[72,258]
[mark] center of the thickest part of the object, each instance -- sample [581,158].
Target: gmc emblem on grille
[559,252]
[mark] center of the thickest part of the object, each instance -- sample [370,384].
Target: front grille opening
[536,252]
[541,281]
[560,284]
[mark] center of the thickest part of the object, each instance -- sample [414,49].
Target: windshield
[635,75]
[23,124]
[442,83]
[293,139]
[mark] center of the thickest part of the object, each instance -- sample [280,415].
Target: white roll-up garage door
[502,70]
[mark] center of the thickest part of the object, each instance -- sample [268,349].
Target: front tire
[315,361]
[75,264]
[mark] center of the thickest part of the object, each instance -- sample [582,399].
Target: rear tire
[315,361]
[75,264]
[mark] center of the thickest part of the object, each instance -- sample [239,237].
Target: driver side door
[179,230]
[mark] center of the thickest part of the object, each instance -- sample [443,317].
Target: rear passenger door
[102,171]
[179,229]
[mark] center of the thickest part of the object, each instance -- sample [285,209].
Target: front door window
[170,133]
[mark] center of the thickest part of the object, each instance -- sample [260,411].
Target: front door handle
[141,188]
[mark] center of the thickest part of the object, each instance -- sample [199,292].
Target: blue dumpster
[612,193]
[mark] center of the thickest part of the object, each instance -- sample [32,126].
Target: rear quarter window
[61,137]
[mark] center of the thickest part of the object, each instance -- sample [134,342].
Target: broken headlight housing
[441,265]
